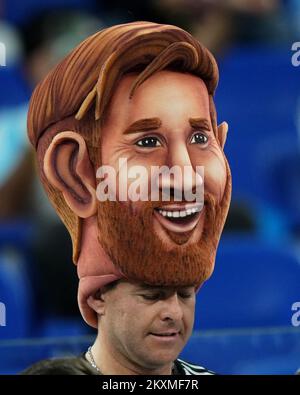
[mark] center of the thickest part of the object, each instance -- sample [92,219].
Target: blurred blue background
[244,319]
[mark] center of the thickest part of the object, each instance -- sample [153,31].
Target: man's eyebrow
[146,287]
[143,125]
[201,123]
[149,288]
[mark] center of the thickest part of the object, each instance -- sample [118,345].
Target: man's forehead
[148,287]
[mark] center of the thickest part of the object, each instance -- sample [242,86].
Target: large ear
[68,168]
[222,133]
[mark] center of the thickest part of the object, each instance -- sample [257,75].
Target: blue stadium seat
[279,183]
[15,281]
[18,355]
[250,351]
[260,106]
[63,327]
[254,285]
[18,12]
[15,294]
[14,86]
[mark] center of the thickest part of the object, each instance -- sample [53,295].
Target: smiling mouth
[179,218]
[169,335]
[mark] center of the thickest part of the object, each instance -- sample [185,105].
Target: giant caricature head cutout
[139,94]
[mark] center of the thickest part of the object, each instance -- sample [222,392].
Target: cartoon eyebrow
[143,125]
[199,123]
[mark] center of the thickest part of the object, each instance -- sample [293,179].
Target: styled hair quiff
[76,93]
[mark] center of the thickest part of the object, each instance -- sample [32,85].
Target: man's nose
[172,309]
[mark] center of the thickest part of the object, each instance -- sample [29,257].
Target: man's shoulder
[79,366]
[188,368]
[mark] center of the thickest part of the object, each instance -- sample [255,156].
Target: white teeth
[177,214]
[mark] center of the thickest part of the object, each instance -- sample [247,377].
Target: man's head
[141,92]
[142,327]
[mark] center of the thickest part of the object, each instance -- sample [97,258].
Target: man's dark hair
[60,367]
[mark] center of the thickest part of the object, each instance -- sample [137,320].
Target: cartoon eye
[149,142]
[199,138]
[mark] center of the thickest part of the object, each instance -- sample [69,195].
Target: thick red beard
[128,238]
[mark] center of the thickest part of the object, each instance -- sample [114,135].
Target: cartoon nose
[178,155]
[180,177]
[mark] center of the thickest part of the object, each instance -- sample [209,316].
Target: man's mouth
[179,218]
[166,336]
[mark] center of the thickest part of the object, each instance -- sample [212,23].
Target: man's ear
[68,168]
[97,303]
[222,133]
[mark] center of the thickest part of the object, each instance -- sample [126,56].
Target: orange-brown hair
[76,93]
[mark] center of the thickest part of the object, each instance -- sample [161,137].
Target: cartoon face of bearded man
[143,93]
